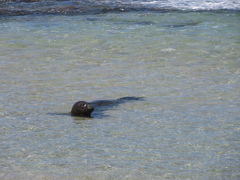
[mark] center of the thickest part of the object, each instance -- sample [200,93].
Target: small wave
[194,4]
[75,7]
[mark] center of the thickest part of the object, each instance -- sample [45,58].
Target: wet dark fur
[82,108]
[85,109]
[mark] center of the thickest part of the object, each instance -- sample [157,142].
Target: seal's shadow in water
[100,106]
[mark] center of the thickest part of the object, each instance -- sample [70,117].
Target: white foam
[188,4]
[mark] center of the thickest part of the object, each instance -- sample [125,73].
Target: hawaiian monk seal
[84,109]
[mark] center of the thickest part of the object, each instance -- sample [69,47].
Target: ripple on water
[187,127]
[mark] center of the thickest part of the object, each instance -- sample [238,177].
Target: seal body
[82,108]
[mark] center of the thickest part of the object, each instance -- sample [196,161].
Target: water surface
[185,64]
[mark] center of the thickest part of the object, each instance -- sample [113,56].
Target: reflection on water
[186,128]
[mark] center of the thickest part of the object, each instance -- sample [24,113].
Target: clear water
[185,64]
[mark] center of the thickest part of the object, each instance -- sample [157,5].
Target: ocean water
[182,56]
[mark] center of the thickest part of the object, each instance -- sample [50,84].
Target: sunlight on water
[186,65]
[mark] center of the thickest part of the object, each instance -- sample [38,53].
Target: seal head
[82,108]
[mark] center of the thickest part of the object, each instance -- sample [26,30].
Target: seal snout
[90,107]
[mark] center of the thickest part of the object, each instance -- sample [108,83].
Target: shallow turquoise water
[185,64]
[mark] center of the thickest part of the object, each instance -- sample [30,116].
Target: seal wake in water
[84,109]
